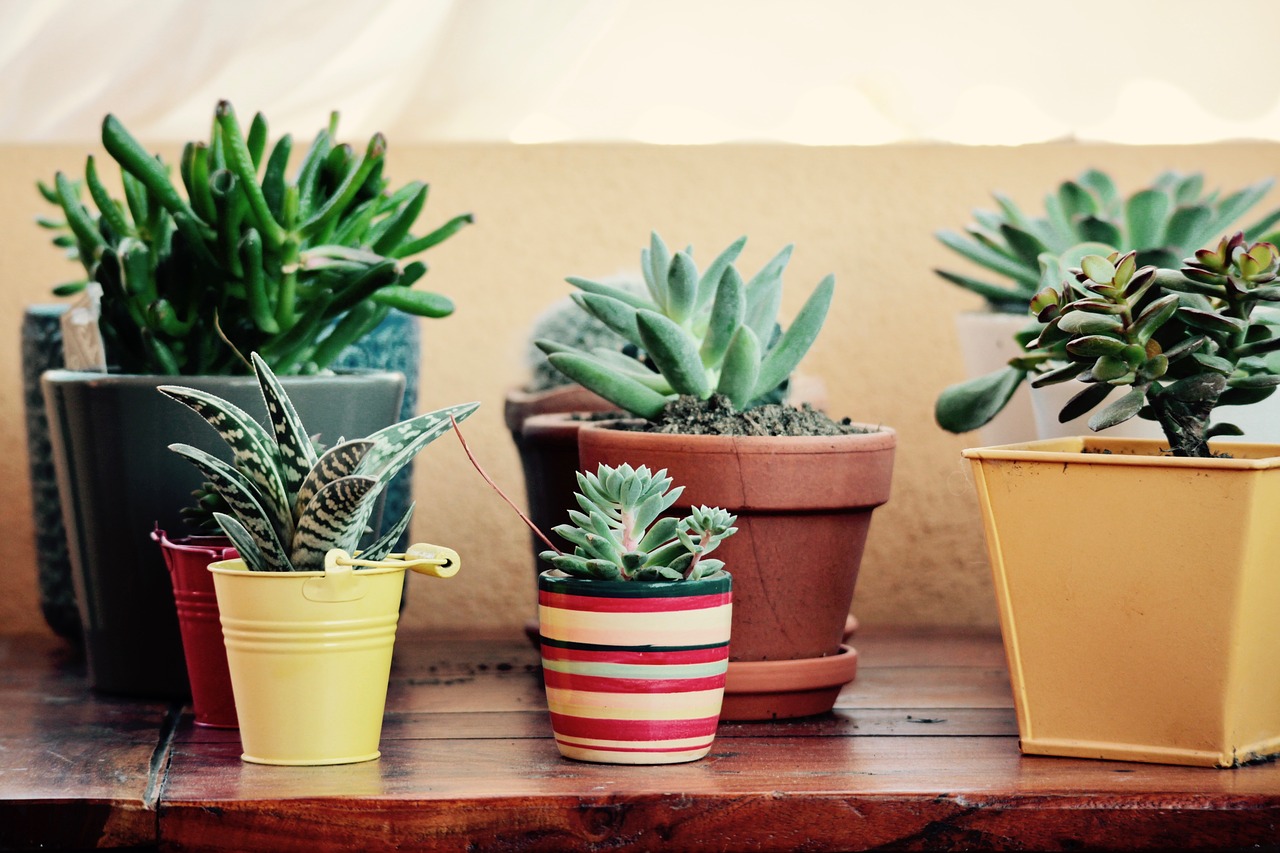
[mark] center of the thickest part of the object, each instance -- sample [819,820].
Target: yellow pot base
[310,762]
[1149,754]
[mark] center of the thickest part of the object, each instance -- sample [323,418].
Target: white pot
[986,345]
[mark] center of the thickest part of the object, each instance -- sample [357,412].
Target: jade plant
[288,504]
[1162,222]
[696,333]
[619,535]
[1177,343]
[243,257]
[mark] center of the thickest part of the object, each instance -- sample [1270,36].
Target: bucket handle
[436,561]
[340,583]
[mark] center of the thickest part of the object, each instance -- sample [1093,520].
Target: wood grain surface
[920,753]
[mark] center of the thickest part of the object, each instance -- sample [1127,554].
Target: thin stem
[501,493]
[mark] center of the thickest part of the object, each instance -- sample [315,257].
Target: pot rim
[635,589]
[238,568]
[877,437]
[62,376]
[1133,452]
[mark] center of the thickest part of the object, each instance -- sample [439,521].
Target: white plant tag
[81,338]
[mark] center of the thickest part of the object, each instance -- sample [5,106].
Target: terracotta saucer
[781,689]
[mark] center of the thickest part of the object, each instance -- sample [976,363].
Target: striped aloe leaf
[253,451]
[246,502]
[381,547]
[338,461]
[244,542]
[333,519]
[396,445]
[297,455]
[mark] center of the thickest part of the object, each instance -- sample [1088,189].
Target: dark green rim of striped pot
[555,581]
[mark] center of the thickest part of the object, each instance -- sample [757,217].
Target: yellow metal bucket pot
[310,652]
[1138,595]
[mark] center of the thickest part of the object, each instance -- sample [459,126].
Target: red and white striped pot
[634,671]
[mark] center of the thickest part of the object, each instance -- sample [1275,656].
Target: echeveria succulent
[619,534]
[697,333]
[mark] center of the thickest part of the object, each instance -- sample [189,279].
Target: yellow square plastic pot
[1138,595]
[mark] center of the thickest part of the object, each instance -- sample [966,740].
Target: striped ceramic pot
[634,671]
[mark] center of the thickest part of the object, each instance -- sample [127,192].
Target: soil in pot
[716,416]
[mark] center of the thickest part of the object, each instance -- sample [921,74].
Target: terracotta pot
[634,671]
[804,507]
[188,559]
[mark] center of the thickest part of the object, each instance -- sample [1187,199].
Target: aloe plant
[699,333]
[244,258]
[619,535]
[290,505]
[1182,342]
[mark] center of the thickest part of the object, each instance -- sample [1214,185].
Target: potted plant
[713,355]
[1148,634]
[634,624]
[305,623]
[548,447]
[189,279]
[1020,253]
[187,558]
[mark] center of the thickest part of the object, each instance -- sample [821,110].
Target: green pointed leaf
[245,544]
[728,313]
[662,531]
[1101,185]
[991,259]
[1095,230]
[656,271]
[993,293]
[740,374]
[1026,246]
[624,296]
[1096,345]
[1211,322]
[618,388]
[396,445]
[268,529]
[1187,228]
[710,281]
[338,461]
[253,451]
[296,453]
[614,313]
[682,287]
[333,519]
[783,357]
[674,352]
[382,546]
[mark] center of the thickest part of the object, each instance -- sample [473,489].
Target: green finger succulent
[244,258]
[621,534]
[286,503]
[700,333]
[1180,341]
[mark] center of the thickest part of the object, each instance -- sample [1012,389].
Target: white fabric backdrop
[665,71]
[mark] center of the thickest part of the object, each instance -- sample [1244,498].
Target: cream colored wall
[544,212]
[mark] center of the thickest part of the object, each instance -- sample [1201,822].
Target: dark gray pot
[117,480]
[394,345]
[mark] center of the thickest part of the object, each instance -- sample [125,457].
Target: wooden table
[921,753]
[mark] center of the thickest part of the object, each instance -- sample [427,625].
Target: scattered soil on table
[716,416]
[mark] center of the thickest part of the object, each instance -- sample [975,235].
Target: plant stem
[501,493]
